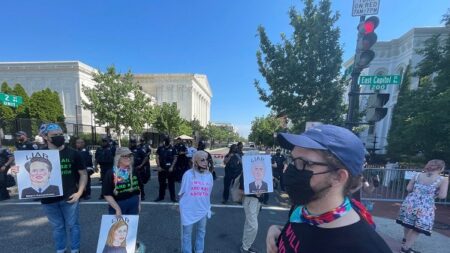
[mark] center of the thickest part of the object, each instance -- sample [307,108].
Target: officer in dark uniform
[141,154]
[104,157]
[87,158]
[165,158]
[278,161]
[22,142]
[181,160]
[6,159]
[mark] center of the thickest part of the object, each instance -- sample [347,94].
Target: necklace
[302,215]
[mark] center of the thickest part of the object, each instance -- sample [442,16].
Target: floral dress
[417,210]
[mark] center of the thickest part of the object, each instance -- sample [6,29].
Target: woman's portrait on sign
[118,234]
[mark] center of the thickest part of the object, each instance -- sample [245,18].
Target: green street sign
[379,80]
[10,100]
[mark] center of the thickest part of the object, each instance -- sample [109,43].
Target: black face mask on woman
[58,140]
[298,185]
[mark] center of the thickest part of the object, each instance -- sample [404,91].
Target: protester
[201,146]
[165,156]
[6,160]
[195,202]
[104,157]
[23,143]
[327,164]
[141,163]
[63,212]
[233,167]
[120,186]
[87,158]
[278,162]
[417,210]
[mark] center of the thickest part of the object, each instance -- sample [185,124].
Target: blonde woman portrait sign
[118,234]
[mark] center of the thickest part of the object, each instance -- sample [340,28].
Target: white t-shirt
[195,203]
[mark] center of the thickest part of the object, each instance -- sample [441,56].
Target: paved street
[26,229]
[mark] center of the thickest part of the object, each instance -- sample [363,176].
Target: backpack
[237,194]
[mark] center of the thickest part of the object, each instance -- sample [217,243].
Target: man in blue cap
[327,164]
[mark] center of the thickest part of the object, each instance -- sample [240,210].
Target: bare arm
[112,202]
[443,188]
[410,186]
[81,185]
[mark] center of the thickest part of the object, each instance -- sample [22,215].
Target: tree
[167,119]
[6,112]
[117,101]
[420,125]
[45,106]
[302,72]
[263,129]
[23,110]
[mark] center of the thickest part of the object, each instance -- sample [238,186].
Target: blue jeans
[127,206]
[186,244]
[60,215]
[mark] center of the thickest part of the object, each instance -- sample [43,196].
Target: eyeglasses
[302,164]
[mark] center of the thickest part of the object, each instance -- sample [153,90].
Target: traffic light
[366,39]
[375,110]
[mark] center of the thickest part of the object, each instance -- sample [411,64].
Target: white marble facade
[191,92]
[391,58]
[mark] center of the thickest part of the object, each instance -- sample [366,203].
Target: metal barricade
[392,186]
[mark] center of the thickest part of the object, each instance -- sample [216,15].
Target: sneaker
[174,200]
[410,250]
[158,199]
[250,250]
[224,202]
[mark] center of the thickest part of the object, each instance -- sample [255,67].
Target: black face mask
[298,185]
[278,153]
[58,141]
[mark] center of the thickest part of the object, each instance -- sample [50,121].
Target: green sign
[379,80]
[10,100]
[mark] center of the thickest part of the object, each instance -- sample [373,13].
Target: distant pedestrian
[233,168]
[195,202]
[417,211]
[278,162]
[87,157]
[104,157]
[165,158]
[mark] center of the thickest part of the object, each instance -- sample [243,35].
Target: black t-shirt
[166,155]
[26,146]
[279,161]
[139,154]
[71,162]
[359,237]
[125,187]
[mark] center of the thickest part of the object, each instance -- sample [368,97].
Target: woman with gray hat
[120,186]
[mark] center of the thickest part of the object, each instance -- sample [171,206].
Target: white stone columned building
[191,92]
[391,58]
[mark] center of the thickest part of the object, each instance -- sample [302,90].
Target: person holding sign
[63,211]
[195,202]
[120,186]
[39,169]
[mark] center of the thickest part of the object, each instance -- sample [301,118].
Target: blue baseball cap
[339,141]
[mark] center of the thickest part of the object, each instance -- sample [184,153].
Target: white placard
[118,234]
[257,174]
[39,174]
[365,7]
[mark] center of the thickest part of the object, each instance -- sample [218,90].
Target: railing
[393,184]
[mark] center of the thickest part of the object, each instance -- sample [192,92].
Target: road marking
[272,208]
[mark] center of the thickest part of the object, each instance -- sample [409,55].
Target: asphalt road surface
[24,227]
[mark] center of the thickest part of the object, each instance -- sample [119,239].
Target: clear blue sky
[212,37]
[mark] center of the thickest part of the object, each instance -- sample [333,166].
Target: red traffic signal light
[369,25]
[366,39]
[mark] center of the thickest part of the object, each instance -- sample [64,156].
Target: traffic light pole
[353,95]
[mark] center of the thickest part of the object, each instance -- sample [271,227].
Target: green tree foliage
[6,112]
[45,106]
[167,120]
[117,101]
[263,129]
[302,72]
[23,110]
[219,134]
[420,124]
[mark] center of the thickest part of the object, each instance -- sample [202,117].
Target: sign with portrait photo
[39,174]
[257,171]
[118,234]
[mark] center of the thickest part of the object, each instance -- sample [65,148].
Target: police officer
[165,158]
[6,159]
[181,160]
[87,158]
[278,162]
[104,157]
[141,154]
[22,142]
